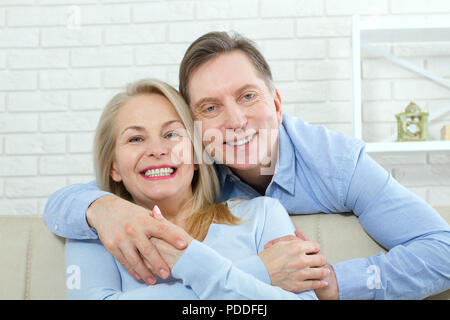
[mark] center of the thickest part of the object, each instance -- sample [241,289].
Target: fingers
[160,228]
[134,262]
[300,235]
[274,241]
[152,257]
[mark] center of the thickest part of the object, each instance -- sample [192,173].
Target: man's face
[239,114]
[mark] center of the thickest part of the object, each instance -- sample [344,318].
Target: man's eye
[248,96]
[210,108]
[135,139]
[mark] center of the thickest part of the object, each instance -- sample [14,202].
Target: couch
[32,258]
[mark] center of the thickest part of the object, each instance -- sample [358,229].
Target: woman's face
[153,153]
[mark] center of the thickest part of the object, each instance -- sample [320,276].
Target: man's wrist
[90,211]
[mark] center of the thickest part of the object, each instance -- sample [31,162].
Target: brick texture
[62,60]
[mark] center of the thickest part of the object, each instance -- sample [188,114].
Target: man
[228,85]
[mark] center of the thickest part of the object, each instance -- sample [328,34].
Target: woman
[144,153]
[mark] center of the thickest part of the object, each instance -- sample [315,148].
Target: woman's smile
[159,172]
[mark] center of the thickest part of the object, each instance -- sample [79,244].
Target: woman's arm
[212,276]
[92,273]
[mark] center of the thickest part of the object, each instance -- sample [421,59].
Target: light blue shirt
[319,170]
[210,269]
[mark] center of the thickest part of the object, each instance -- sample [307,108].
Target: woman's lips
[159,172]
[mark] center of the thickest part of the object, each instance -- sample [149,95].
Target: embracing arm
[65,210]
[418,262]
[122,226]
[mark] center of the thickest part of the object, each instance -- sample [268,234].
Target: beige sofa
[32,258]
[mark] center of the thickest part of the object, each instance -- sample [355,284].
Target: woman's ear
[114,173]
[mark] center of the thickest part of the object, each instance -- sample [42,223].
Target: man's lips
[240,142]
[159,172]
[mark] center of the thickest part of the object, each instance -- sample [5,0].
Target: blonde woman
[143,152]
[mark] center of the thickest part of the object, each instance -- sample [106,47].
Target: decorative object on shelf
[445,133]
[412,124]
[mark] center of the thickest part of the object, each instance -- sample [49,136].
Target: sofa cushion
[33,266]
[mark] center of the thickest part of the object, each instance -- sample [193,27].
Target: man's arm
[418,262]
[65,211]
[123,227]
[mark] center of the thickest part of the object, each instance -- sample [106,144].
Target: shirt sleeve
[221,279]
[65,211]
[85,280]
[418,238]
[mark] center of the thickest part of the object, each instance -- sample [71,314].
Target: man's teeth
[159,172]
[240,142]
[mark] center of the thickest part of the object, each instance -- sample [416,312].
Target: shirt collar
[285,170]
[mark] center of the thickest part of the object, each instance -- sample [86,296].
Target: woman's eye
[135,139]
[172,134]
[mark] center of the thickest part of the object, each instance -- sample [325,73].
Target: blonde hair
[205,185]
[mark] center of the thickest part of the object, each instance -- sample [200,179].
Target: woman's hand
[124,228]
[169,253]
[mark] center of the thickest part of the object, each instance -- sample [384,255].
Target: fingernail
[181,243]
[157,211]
[325,283]
[150,281]
[163,273]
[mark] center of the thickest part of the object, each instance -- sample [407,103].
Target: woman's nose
[157,149]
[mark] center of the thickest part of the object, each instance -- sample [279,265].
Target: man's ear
[114,173]
[277,101]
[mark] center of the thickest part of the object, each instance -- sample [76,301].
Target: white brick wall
[55,77]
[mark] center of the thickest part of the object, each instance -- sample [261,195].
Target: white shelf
[408,29]
[387,29]
[410,146]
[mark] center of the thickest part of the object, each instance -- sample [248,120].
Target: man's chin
[242,166]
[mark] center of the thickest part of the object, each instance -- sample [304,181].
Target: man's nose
[236,117]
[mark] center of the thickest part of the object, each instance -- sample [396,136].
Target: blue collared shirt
[319,170]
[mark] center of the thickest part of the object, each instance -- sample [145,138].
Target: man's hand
[295,264]
[125,228]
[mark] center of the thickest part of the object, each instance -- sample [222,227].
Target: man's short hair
[211,45]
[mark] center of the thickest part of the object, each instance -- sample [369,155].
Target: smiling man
[260,151]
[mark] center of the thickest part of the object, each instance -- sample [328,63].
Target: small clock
[412,124]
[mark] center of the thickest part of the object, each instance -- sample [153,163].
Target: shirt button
[56,227]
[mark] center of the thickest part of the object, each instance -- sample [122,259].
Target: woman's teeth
[240,142]
[159,172]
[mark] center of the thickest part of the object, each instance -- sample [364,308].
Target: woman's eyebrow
[140,128]
[137,128]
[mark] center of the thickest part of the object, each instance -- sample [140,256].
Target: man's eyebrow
[213,100]
[203,101]
[245,87]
